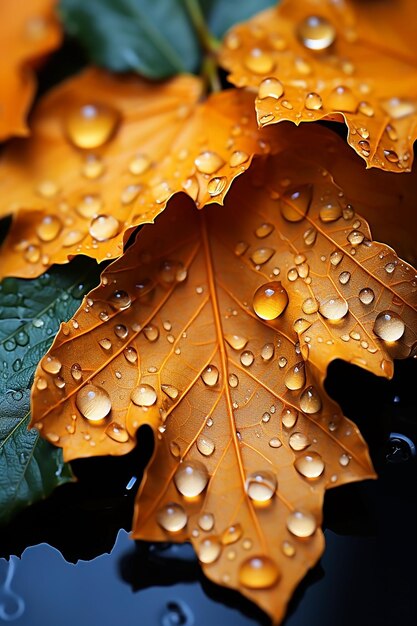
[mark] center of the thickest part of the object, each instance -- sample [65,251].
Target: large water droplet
[316,33]
[310,465]
[120,300]
[389,326]
[294,204]
[270,88]
[334,308]
[191,478]
[209,549]
[270,300]
[260,256]
[93,402]
[172,517]
[298,441]
[117,432]
[313,101]
[237,342]
[208,162]
[49,228]
[103,227]
[261,486]
[51,364]
[91,125]
[310,401]
[210,375]
[144,395]
[342,99]
[259,62]
[259,572]
[295,377]
[301,523]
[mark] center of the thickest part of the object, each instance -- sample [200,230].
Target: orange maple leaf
[216,328]
[28,31]
[108,152]
[351,61]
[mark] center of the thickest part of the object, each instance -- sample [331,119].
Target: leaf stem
[209,71]
[209,43]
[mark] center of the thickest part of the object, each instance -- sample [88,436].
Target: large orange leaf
[107,152]
[348,60]
[231,382]
[28,31]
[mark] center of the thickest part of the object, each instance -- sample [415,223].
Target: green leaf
[30,314]
[156,38]
[223,14]
[152,37]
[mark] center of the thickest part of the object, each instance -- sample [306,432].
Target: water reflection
[12,605]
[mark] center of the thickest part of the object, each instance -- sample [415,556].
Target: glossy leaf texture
[107,153]
[216,328]
[348,61]
[28,31]
[155,39]
[30,315]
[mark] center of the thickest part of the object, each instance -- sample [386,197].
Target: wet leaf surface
[351,61]
[28,31]
[107,153]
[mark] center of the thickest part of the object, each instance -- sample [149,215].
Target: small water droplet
[330,212]
[259,62]
[313,101]
[301,524]
[117,432]
[237,342]
[260,256]
[205,445]
[171,391]
[209,550]
[144,395]
[49,228]
[310,465]
[130,354]
[104,227]
[247,358]
[298,441]
[295,377]
[206,522]
[267,351]
[289,417]
[51,364]
[295,203]
[342,99]
[316,33]
[270,300]
[366,295]
[238,157]
[208,162]
[172,517]
[270,88]
[210,375]
[344,278]
[91,125]
[334,308]
[233,380]
[310,401]
[310,306]
[275,442]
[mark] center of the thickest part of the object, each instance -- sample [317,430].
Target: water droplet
[288,549]
[175,449]
[316,33]
[129,194]
[172,517]
[366,295]
[261,486]
[289,417]
[206,522]
[267,351]
[237,342]
[294,204]
[342,99]
[91,125]
[344,460]
[270,88]
[233,380]
[210,375]
[355,237]
[390,267]
[310,236]
[298,441]
[264,230]
[330,212]
[144,395]
[275,442]
[171,391]
[49,228]
[260,256]
[130,354]
[121,331]
[216,185]
[105,344]
[238,157]
[389,326]
[120,300]
[310,465]
[32,253]
[139,164]
[295,377]
[259,572]
[51,364]
[22,338]
[241,248]
[231,534]
[270,300]
[117,432]
[334,308]
[93,167]
[208,162]
[191,478]
[93,402]
[301,523]
[310,401]
[336,257]
[259,62]
[103,227]
[41,383]
[205,445]
[366,109]
[313,101]
[301,325]
[344,278]
[72,238]
[310,306]
[282,361]
[209,549]
[247,358]
[397,108]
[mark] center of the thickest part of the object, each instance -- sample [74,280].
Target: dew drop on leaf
[91,125]
[191,478]
[259,572]
[261,486]
[316,33]
[309,465]
[389,326]
[270,300]
[301,523]
[93,402]
[209,549]
[172,517]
